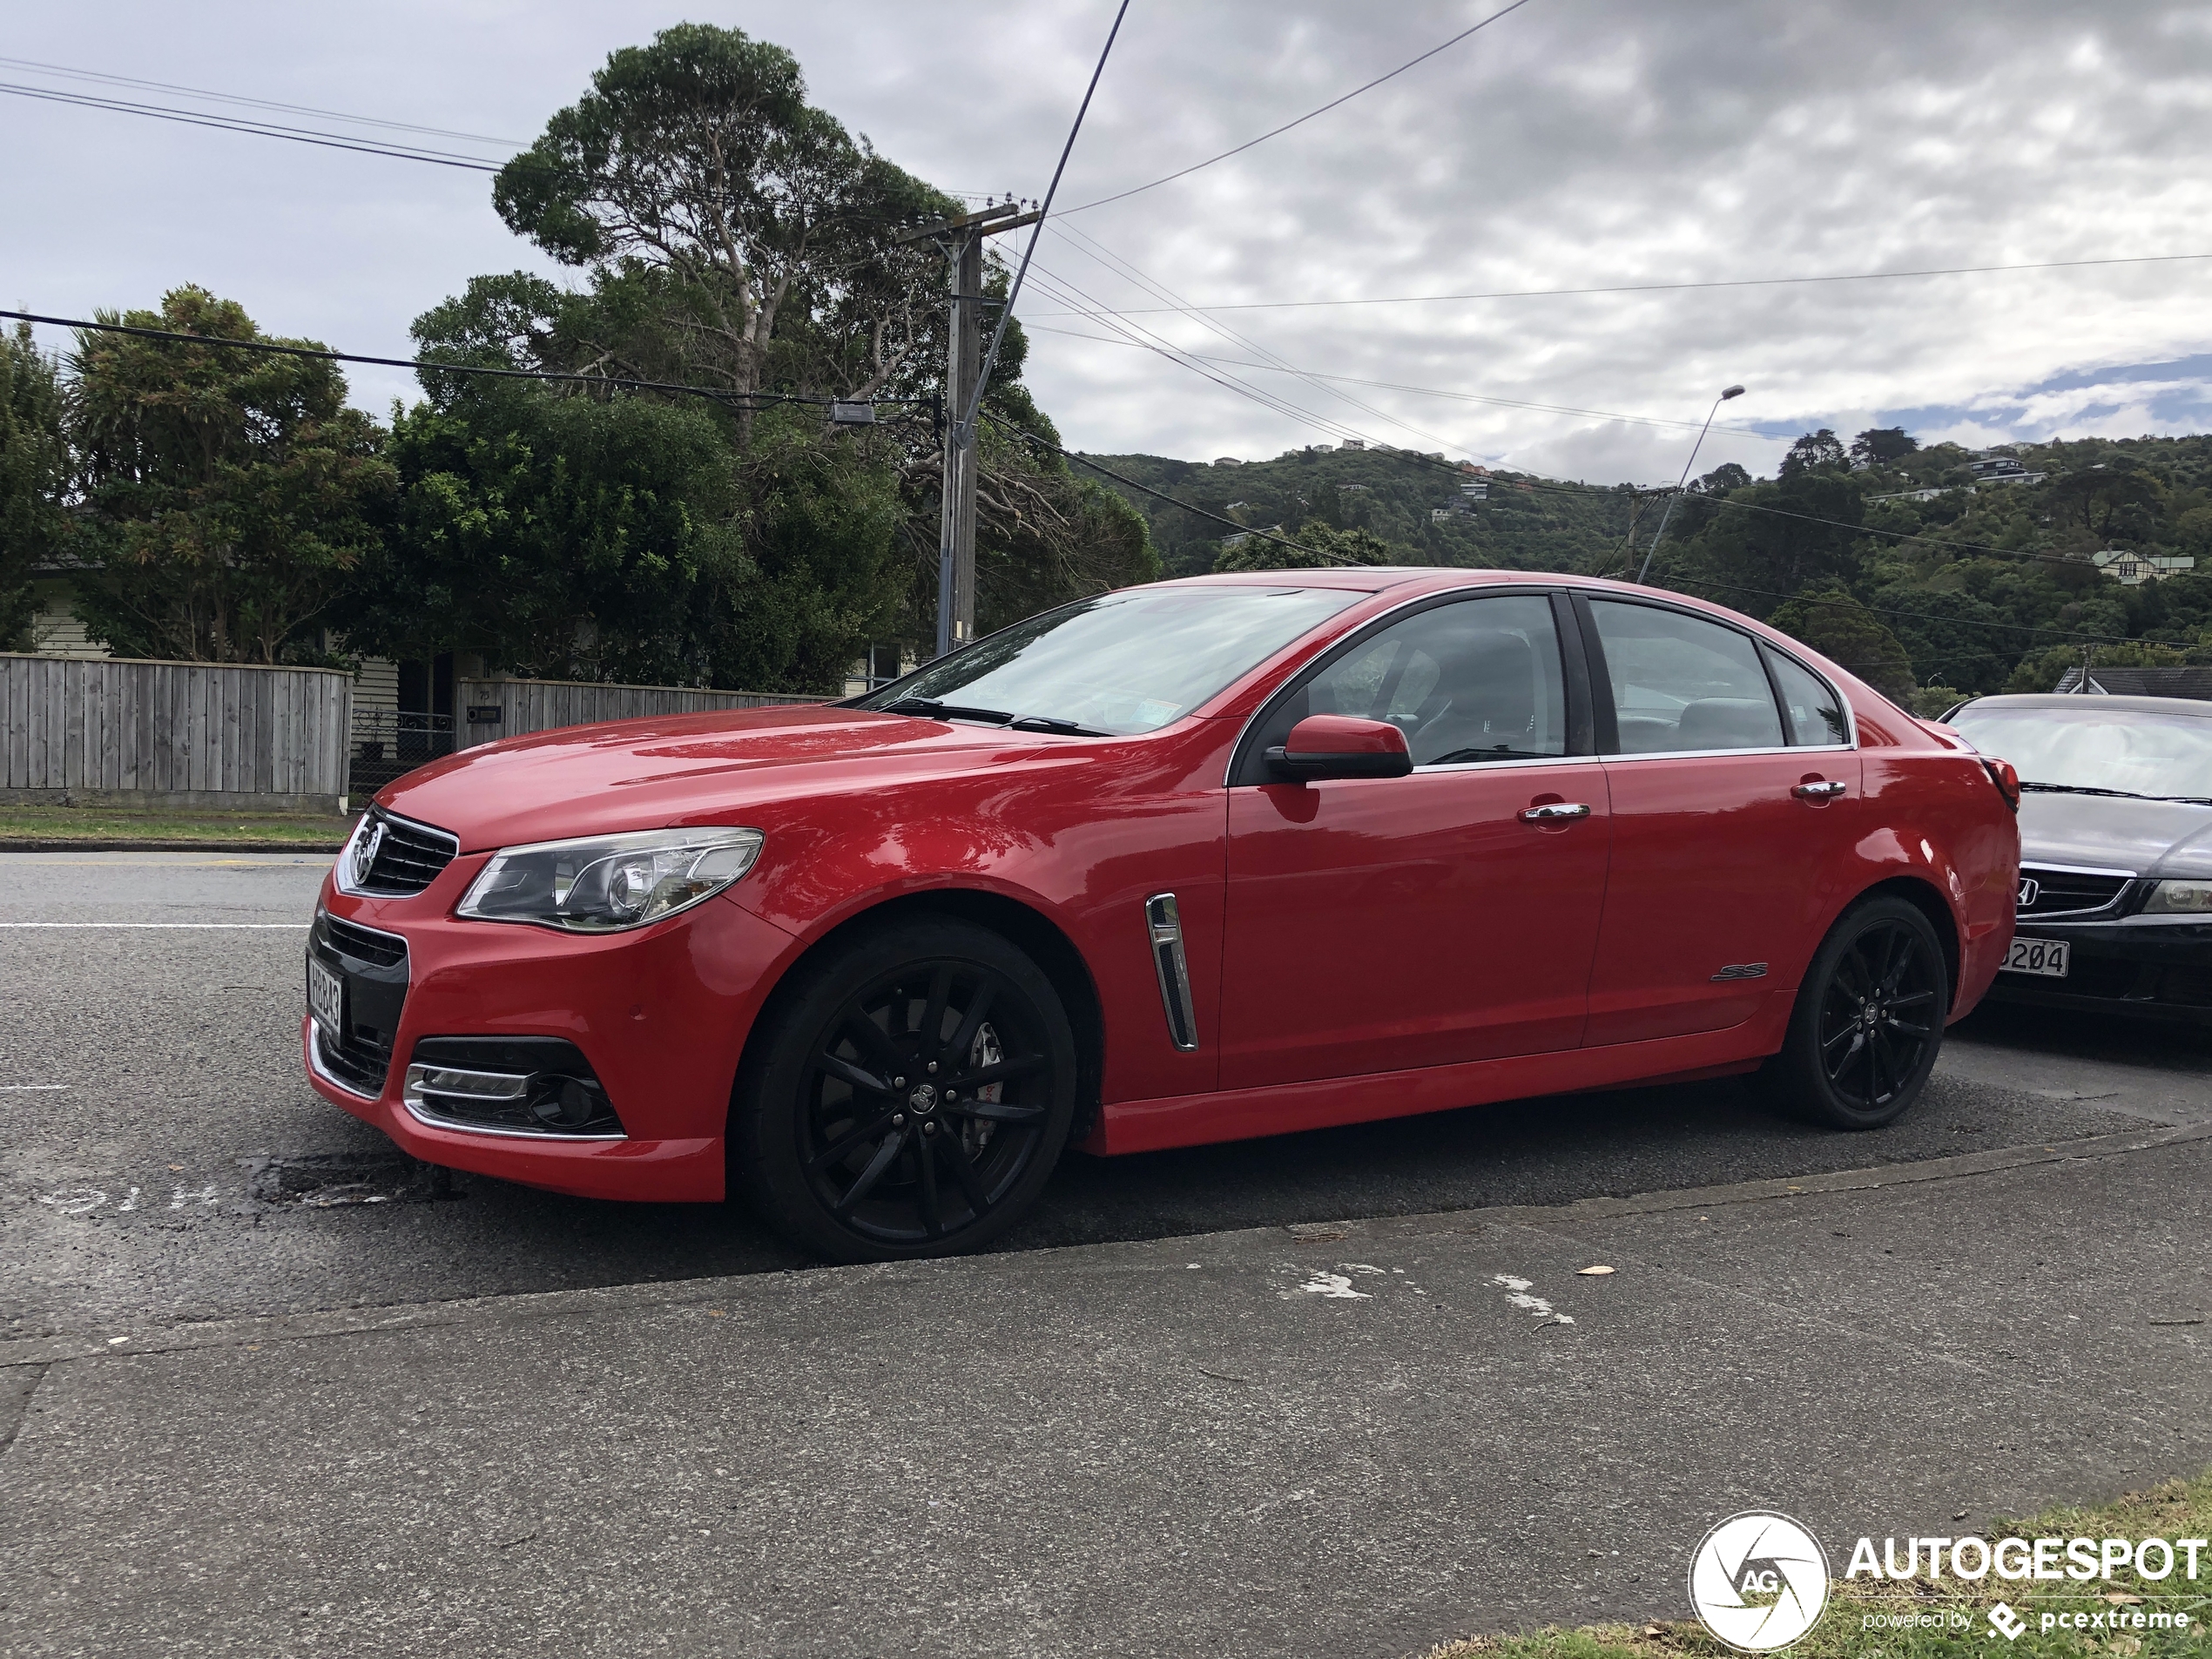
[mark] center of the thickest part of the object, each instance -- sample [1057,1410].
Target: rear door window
[1681,685]
[1814,713]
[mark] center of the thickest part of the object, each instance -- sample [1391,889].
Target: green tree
[227,494]
[2110,501]
[1317,547]
[1821,451]
[695,169]
[34,475]
[1851,637]
[1882,445]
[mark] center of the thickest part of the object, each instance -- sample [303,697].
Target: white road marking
[301,926]
[1338,1285]
[29,1089]
[1517,1293]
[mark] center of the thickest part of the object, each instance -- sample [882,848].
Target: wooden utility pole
[961,238]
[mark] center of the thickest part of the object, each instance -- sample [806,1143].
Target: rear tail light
[2007,780]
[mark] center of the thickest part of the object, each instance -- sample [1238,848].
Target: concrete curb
[343,1322]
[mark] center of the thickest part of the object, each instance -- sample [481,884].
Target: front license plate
[327,1000]
[2043,956]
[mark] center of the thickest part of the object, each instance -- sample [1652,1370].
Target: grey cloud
[1577,142]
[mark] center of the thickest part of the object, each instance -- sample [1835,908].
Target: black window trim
[1601,683]
[1248,769]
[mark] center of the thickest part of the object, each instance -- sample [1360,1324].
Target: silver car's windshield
[1119,664]
[2126,751]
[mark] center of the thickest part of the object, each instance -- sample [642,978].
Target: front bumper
[661,1015]
[2137,967]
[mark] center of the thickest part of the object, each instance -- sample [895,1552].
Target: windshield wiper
[930,709]
[2192,800]
[2084,789]
[1058,728]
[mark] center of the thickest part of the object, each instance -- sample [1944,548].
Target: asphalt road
[164,1161]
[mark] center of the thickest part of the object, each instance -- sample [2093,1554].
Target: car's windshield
[2128,751]
[1118,664]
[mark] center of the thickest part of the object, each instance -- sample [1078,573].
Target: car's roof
[1376,578]
[2092,702]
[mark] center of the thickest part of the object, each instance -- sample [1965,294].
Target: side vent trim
[1165,924]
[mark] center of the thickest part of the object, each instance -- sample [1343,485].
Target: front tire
[1868,1022]
[907,1095]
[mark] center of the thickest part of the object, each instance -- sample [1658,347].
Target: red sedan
[1184,863]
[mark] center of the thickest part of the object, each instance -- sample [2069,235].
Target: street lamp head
[1733,391]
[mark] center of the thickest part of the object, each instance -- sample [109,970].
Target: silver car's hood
[2101,833]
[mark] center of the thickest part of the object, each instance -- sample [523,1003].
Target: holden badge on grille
[365,852]
[2029,888]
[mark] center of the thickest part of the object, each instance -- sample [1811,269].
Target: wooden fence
[116,732]
[488,710]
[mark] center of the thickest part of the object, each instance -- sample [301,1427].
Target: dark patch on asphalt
[327,1181]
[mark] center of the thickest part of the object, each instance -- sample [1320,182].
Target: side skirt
[1245,1114]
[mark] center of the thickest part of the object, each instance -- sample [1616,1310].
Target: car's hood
[681,769]
[2101,833]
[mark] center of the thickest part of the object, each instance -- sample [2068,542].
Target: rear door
[1383,924]
[1735,792]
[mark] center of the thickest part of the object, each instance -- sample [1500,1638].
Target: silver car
[2115,896]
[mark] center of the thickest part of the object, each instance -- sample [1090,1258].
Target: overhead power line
[257,129]
[274,349]
[1917,616]
[1157,495]
[65,73]
[1675,287]
[1433,391]
[1274,133]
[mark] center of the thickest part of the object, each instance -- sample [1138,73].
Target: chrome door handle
[1818,792]
[1554,813]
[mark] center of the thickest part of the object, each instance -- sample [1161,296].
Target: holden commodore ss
[1203,860]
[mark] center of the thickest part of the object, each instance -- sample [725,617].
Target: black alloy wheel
[1868,1022]
[915,1091]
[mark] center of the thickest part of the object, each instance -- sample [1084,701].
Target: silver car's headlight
[2179,899]
[603,884]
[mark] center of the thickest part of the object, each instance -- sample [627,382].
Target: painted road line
[28,1089]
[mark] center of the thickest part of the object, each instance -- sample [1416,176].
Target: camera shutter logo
[1758,1582]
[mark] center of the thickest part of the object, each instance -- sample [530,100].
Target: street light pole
[1659,533]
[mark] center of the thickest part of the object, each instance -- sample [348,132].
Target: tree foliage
[227,495]
[1317,547]
[34,474]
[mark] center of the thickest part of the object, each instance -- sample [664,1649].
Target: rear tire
[907,1095]
[1868,1022]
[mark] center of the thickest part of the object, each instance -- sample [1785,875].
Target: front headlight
[2179,899]
[603,884]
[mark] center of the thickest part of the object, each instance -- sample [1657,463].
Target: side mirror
[1336,746]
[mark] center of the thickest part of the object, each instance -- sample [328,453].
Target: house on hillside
[2002,469]
[2141,682]
[2131,569]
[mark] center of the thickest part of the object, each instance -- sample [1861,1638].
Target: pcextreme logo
[1758,1582]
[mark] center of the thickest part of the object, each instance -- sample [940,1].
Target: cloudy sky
[1574,144]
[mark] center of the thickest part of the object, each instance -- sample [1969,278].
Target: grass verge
[91,826]
[2177,1510]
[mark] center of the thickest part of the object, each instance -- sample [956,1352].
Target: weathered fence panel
[118,732]
[544,705]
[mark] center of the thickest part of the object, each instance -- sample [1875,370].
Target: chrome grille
[2047,892]
[410,856]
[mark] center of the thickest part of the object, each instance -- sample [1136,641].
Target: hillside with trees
[1923,569]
